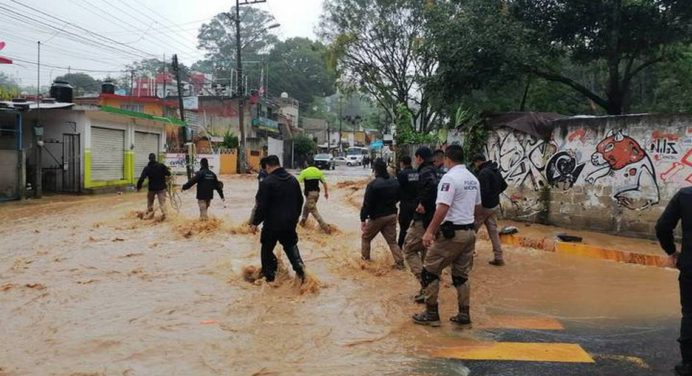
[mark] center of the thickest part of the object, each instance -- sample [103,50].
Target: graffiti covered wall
[611,174]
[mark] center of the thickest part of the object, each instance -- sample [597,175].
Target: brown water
[88,288]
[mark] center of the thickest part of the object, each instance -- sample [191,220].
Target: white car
[340,161]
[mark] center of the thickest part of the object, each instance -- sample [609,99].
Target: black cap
[152,157]
[424,152]
[478,158]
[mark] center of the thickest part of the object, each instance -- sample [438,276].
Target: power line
[66,68]
[77,27]
[69,35]
[118,18]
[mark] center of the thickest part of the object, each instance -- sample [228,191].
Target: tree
[8,87]
[81,82]
[298,67]
[380,47]
[627,36]
[218,39]
[304,145]
[152,67]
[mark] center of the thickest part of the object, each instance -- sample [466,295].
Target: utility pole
[188,164]
[242,166]
[38,133]
[341,149]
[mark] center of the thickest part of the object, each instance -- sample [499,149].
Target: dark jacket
[156,173]
[381,196]
[207,183]
[279,202]
[492,184]
[408,181]
[679,209]
[427,192]
[261,176]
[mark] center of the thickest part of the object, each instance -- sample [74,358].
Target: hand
[428,239]
[420,209]
[363,225]
[673,260]
[253,229]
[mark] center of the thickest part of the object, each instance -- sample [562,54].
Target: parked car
[324,162]
[340,161]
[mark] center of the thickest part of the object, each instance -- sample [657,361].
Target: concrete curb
[585,250]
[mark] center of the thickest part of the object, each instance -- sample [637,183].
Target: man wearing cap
[492,185]
[378,214]
[157,173]
[452,239]
[207,183]
[426,194]
[312,177]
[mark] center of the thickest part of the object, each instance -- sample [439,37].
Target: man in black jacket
[378,214]
[408,180]
[207,183]
[492,185]
[157,174]
[279,203]
[680,209]
[414,250]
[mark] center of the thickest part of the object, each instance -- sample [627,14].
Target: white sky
[152,26]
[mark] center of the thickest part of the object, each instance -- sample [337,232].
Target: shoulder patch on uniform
[444,187]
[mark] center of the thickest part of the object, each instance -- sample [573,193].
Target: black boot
[296,261]
[463,318]
[683,369]
[430,317]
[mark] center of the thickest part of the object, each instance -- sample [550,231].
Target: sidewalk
[593,244]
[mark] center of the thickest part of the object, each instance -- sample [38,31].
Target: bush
[230,141]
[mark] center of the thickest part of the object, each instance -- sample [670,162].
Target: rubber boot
[296,262]
[430,316]
[497,262]
[463,318]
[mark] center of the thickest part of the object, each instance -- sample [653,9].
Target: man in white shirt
[458,195]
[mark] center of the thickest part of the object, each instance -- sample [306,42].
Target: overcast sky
[153,27]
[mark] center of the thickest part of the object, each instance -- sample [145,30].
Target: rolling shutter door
[107,157]
[145,143]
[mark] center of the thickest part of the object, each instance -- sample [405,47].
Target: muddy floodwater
[89,288]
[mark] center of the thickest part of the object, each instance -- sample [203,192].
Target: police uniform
[459,189]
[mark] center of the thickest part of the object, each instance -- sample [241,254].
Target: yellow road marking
[520,322]
[514,351]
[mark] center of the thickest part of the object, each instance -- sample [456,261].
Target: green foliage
[230,140]
[8,87]
[298,67]
[218,39]
[82,83]
[304,145]
[405,134]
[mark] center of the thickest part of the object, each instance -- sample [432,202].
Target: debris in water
[242,229]
[198,227]
[35,286]
[208,322]
[7,286]
[251,273]
[311,285]
[118,240]
[351,184]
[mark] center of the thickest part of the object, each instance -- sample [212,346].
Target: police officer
[439,163]
[457,198]
[207,183]
[279,201]
[426,194]
[158,174]
[408,178]
[680,209]
[378,214]
[312,177]
[492,186]
[260,177]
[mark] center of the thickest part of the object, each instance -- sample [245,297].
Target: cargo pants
[310,207]
[387,227]
[414,250]
[488,217]
[151,196]
[457,252]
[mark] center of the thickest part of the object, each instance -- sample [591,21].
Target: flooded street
[88,288]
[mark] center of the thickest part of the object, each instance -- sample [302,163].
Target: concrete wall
[609,174]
